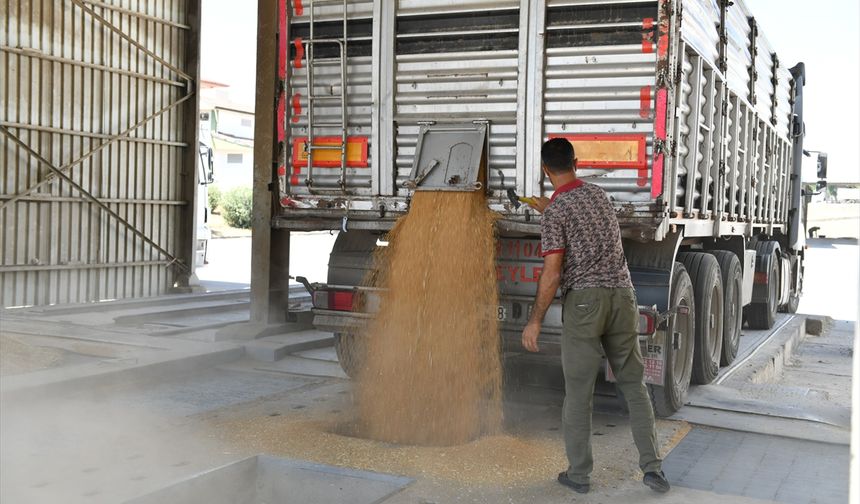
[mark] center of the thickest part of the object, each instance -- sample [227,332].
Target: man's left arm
[549,281]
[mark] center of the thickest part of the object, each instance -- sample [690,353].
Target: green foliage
[215,197]
[236,205]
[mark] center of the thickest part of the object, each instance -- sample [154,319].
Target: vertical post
[536,69]
[382,90]
[269,248]
[189,180]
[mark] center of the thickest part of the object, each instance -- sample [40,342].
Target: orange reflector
[608,151]
[356,152]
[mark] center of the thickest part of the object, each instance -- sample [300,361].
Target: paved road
[229,260]
[831,281]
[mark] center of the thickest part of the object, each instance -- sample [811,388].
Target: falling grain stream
[433,373]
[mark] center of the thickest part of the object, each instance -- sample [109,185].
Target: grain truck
[679,109]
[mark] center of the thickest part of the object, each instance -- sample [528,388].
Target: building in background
[228,129]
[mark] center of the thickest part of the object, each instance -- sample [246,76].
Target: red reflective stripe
[282,39]
[281,111]
[297,107]
[645,102]
[648,35]
[660,132]
[647,45]
[299,8]
[567,187]
[660,113]
[663,38]
[300,52]
[551,252]
[656,176]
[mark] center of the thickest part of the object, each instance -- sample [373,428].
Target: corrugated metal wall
[599,79]
[100,91]
[459,63]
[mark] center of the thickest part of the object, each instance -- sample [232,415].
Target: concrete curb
[766,362]
[93,378]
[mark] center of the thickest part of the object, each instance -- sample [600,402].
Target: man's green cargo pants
[602,322]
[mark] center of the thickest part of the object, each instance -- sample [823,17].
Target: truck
[679,109]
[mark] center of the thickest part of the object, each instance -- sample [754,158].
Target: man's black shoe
[577,487]
[656,481]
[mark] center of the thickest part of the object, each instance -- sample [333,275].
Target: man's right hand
[539,203]
[531,333]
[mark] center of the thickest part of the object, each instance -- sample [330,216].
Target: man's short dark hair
[557,155]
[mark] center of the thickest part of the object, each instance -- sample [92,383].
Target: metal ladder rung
[324,41]
[309,44]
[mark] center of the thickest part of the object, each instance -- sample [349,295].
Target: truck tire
[730,267]
[794,297]
[762,315]
[793,303]
[708,288]
[349,353]
[668,398]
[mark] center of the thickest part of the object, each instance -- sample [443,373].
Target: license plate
[652,358]
[513,312]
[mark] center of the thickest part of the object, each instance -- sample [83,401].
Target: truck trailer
[679,109]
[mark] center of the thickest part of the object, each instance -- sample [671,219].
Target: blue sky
[825,34]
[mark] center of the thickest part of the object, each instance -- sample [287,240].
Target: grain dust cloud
[433,370]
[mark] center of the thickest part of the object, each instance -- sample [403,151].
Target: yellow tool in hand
[516,199]
[526,200]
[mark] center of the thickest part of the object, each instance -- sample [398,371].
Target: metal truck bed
[679,128]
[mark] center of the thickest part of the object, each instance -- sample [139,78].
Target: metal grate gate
[98,112]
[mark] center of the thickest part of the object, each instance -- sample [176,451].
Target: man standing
[582,252]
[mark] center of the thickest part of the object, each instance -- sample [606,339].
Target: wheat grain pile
[433,371]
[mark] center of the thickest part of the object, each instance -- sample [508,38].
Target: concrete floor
[138,404]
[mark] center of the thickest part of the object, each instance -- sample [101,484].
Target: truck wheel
[678,350]
[730,267]
[349,353]
[794,296]
[763,315]
[708,287]
[793,303]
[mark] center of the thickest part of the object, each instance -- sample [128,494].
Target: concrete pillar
[187,232]
[270,249]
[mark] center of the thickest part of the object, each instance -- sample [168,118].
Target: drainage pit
[263,479]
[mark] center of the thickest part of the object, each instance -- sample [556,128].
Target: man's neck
[562,179]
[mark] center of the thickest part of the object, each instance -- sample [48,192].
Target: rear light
[330,299]
[647,323]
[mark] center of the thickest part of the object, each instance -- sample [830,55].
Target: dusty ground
[17,356]
[530,451]
[109,443]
